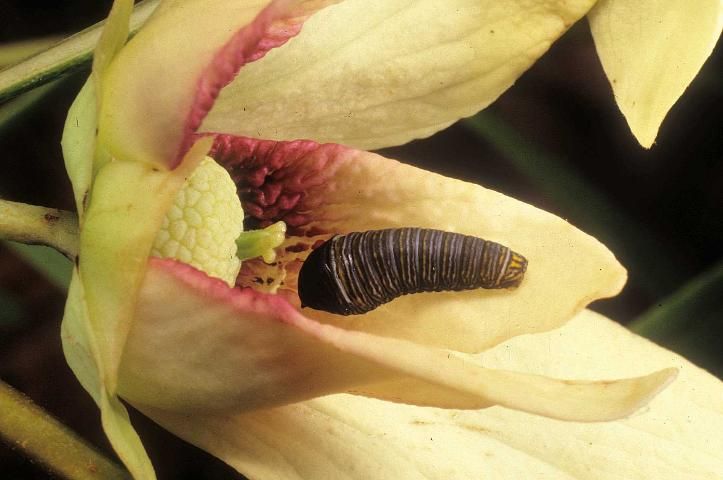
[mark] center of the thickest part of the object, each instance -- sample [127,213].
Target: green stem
[69,55]
[35,225]
[261,243]
[32,430]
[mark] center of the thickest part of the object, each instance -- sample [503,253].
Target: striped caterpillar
[355,273]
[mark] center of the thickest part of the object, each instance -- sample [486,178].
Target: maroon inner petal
[280,181]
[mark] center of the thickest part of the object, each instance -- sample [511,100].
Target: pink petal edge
[276,24]
[428,376]
[245,299]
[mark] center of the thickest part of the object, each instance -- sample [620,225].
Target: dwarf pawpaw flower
[222,113]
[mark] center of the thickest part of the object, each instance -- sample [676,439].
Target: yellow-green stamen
[261,243]
[204,227]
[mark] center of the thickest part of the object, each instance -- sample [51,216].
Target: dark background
[556,140]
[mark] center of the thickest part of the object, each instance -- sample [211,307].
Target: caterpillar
[355,273]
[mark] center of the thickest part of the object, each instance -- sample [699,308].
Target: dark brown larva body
[355,273]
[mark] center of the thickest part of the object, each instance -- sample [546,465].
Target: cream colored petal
[320,190]
[79,144]
[166,78]
[378,73]
[81,348]
[123,437]
[94,324]
[651,50]
[118,229]
[114,36]
[81,124]
[566,270]
[127,205]
[79,343]
[361,74]
[198,346]
[346,437]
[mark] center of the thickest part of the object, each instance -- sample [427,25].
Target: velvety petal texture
[359,72]
[651,50]
[164,81]
[376,73]
[341,436]
[322,190]
[217,348]
[78,144]
[214,348]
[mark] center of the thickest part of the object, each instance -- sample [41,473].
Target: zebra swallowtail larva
[355,273]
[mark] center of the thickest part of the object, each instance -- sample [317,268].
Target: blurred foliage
[11,312]
[13,110]
[580,198]
[56,268]
[689,321]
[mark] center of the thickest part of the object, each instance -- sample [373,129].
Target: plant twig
[27,427]
[70,55]
[34,225]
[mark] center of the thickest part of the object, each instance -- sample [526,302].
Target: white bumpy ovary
[202,226]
